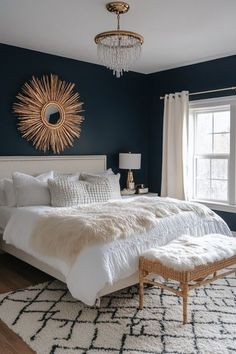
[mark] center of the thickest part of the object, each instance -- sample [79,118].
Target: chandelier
[118,49]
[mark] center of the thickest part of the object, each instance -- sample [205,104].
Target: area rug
[50,321]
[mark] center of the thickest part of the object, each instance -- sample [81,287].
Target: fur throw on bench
[188,252]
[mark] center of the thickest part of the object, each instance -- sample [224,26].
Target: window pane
[203,168]
[211,133]
[219,190]
[219,169]
[222,122]
[203,189]
[221,143]
[204,133]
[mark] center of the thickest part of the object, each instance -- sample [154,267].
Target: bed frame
[69,164]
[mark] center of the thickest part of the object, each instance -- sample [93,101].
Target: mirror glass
[52,114]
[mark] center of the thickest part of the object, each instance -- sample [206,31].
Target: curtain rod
[202,92]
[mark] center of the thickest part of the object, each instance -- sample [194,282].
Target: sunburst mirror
[49,111]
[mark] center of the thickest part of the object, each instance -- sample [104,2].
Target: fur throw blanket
[64,233]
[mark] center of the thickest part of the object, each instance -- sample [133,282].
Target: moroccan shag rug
[50,321]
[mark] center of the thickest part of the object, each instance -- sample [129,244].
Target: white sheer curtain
[174,156]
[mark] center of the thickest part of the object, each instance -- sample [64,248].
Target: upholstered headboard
[38,164]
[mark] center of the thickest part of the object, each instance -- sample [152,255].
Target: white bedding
[103,264]
[5,215]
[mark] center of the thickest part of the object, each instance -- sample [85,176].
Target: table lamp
[128,161]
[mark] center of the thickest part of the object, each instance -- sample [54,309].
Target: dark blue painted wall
[114,108]
[120,114]
[229,218]
[199,77]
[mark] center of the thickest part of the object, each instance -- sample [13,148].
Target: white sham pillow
[113,180]
[71,176]
[9,192]
[75,176]
[107,172]
[31,190]
[2,193]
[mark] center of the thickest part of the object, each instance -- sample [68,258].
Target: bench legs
[97,303]
[141,290]
[184,287]
[188,280]
[184,294]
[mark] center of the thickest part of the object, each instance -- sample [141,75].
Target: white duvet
[103,264]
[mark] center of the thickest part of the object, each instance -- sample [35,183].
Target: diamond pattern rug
[50,321]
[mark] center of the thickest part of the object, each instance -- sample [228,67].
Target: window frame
[204,105]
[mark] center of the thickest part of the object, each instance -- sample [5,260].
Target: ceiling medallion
[118,49]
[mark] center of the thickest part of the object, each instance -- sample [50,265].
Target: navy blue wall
[199,77]
[120,114]
[114,108]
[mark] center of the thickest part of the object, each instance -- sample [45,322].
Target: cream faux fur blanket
[188,252]
[63,234]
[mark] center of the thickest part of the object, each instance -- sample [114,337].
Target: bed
[101,268]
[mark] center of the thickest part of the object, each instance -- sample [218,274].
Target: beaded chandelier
[118,49]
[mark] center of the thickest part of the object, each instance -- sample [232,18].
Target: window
[212,150]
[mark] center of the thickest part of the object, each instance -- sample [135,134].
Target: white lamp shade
[128,161]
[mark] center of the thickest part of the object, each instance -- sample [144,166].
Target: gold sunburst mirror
[49,111]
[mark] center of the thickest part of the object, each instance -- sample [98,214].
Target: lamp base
[130,180]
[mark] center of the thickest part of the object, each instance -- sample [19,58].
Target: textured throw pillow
[31,190]
[113,180]
[98,192]
[9,192]
[67,193]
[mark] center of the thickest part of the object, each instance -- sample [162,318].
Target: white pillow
[114,182]
[31,190]
[75,176]
[9,192]
[71,176]
[2,193]
[107,172]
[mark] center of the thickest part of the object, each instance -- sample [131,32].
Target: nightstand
[141,195]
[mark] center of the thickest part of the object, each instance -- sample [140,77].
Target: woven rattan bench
[189,279]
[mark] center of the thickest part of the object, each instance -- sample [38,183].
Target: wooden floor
[15,274]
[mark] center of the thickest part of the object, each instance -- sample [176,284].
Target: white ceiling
[176,32]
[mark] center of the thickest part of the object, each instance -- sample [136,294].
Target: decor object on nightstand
[141,189]
[49,110]
[118,49]
[128,161]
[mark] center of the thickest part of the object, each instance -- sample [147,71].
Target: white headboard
[38,164]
